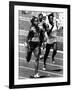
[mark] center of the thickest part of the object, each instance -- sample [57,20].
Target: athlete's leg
[54,51]
[41,56]
[36,53]
[29,52]
[28,57]
[46,53]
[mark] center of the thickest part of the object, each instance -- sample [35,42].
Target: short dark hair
[32,20]
[50,15]
[40,14]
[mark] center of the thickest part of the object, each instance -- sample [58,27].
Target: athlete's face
[44,18]
[51,18]
[36,21]
[41,16]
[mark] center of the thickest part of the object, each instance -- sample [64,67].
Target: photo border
[11,43]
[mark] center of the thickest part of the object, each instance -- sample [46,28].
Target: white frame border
[43,80]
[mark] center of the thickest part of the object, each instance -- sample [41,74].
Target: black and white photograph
[40,45]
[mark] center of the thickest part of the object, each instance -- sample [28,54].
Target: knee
[37,52]
[28,59]
[55,47]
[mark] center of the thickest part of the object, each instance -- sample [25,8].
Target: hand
[45,39]
[44,45]
[25,44]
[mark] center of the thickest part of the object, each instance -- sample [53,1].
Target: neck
[40,20]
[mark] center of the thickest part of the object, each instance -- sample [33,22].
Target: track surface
[27,69]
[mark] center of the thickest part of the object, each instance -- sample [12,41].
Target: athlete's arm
[50,30]
[30,35]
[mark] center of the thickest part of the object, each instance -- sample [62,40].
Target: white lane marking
[20,44]
[48,56]
[22,77]
[24,18]
[23,59]
[40,71]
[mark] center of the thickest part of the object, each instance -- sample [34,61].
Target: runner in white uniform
[51,42]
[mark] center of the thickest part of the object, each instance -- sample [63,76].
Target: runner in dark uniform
[33,40]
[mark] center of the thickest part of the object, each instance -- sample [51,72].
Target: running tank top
[36,35]
[52,37]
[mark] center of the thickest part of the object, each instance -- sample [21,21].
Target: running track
[27,69]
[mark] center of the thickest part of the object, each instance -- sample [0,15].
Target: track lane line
[43,55]
[23,59]
[41,71]
[22,77]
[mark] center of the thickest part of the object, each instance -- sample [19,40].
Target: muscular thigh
[36,52]
[54,46]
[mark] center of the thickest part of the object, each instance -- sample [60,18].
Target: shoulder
[32,28]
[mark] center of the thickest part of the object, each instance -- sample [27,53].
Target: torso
[52,37]
[36,35]
[40,25]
